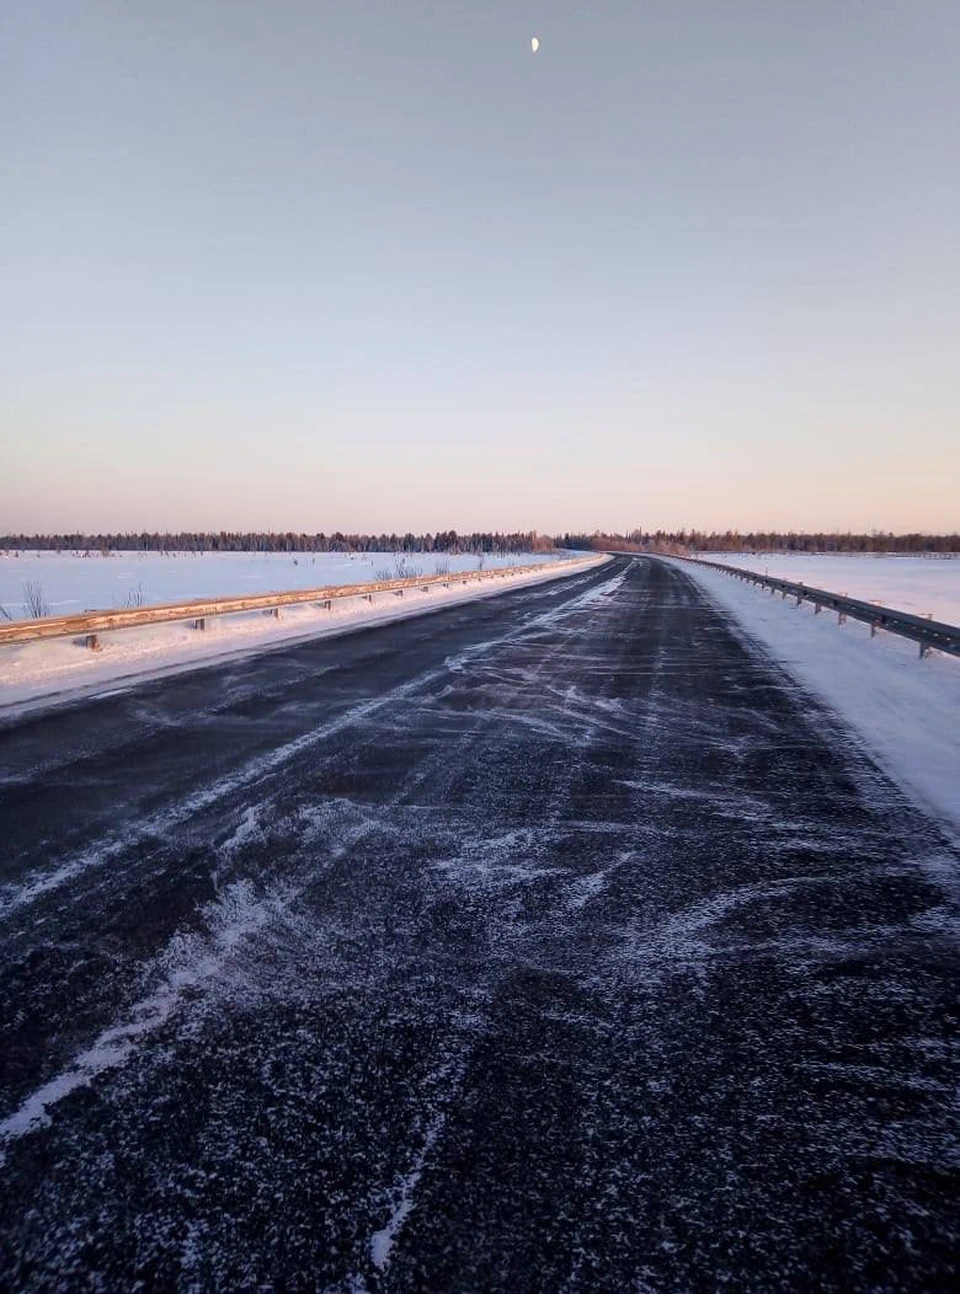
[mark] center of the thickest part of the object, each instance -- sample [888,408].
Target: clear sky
[372,264]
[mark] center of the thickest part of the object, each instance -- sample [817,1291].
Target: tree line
[732,541]
[235,541]
[489,541]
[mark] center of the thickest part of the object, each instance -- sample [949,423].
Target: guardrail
[928,633]
[89,625]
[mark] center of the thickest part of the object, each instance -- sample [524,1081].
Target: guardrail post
[873,628]
[817,608]
[841,617]
[92,642]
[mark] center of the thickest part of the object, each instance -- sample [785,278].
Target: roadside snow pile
[923,586]
[905,710]
[33,671]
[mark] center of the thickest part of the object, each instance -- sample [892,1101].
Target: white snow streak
[14,898]
[194,960]
[383,1241]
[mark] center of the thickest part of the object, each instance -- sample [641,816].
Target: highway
[556,941]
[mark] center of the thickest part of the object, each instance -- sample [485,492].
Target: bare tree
[33,599]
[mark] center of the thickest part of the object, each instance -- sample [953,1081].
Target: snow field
[922,586]
[71,583]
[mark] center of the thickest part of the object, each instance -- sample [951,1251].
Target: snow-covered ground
[906,711]
[70,583]
[920,585]
[32,672]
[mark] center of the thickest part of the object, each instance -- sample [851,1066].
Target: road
[556,941]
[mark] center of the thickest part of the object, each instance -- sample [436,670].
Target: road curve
[553,942]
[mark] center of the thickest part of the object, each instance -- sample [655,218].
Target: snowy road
[553,942]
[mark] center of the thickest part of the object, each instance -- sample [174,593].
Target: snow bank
[920,585]
[34,672]
[905,711]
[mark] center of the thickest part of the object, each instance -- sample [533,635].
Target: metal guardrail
[89,624]
[929,634]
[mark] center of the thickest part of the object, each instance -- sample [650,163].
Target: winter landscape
[68,583]
[927,585]
[480,648]
[62,584]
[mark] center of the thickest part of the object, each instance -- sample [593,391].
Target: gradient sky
[372,264]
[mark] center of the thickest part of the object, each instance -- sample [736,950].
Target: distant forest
[232,541]
[449,541]
[731,541]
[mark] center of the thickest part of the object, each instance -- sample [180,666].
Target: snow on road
[563,935]
[921,585]
[33,671]
[905,710]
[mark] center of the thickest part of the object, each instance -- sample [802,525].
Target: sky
[375,265]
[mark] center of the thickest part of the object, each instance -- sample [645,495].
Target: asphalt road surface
[552,942]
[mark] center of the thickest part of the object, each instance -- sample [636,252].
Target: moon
[534,44]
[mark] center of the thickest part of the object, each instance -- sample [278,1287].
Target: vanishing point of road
[555,941]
